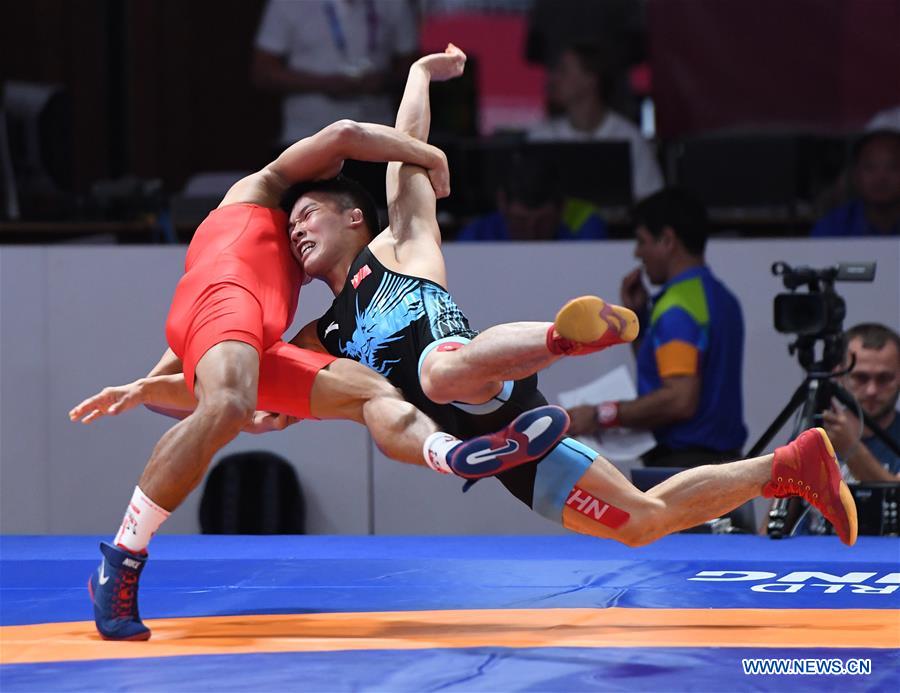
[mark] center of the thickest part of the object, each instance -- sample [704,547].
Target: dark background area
[160,88]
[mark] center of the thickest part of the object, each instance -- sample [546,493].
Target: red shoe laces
[123,604]
[796,487]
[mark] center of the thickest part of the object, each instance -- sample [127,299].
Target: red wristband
[608,415]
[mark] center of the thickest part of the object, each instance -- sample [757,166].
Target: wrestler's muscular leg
[681,501]
[348,390]
[226,382]
[475,371]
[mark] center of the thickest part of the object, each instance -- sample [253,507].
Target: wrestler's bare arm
[411,243]
[168,364]
[322,155]
[166,394]
[163,394]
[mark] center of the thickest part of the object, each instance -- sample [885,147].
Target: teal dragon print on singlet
[397,303]
[394,307]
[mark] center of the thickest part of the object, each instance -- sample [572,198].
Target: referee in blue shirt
[690,352]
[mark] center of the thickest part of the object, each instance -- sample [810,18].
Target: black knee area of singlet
[519,481]
[525,396]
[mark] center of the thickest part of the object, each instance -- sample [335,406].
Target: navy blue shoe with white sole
[529,437]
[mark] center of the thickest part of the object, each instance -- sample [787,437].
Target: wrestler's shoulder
[246,208]
[239,215]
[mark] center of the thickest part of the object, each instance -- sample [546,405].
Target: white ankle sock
[435,450]
[142,518]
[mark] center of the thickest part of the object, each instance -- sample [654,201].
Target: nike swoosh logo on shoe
[476,458]
[103,579]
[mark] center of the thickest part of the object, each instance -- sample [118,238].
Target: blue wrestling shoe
[529,437]
[114,590]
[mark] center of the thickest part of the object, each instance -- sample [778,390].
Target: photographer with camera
[850,388]
[874,382]
[690,352]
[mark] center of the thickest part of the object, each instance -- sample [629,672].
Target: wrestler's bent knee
[642,528]
[559,496]
[231,408]
[443,388]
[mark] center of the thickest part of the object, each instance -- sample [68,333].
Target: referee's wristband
[608,415]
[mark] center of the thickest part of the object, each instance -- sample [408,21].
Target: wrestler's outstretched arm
[163,394]
[322,155]
[413,235]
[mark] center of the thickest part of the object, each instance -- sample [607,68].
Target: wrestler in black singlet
[386,320]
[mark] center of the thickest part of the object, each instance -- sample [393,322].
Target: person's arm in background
[676,400]
[678,364]
[845,430]
[865,467]
[270,72]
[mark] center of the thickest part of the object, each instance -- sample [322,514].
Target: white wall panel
[75,318]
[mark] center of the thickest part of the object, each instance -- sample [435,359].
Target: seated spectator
[690,349]
[618,25]
[875,383]
[531,208]
[875,176]
[577,84]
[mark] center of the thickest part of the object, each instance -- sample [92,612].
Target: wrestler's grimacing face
[315,224]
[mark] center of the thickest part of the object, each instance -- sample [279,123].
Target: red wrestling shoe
[588,324]
[808,468]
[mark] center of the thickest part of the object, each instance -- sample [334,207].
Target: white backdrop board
[73,319]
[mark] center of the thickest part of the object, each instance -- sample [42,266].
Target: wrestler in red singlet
[241,283]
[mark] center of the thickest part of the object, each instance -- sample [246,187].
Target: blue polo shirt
[849,220]
[696,328]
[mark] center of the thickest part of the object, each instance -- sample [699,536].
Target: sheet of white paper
[616,443]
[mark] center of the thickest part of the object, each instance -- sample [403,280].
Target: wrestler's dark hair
[678,209]
[345,191]
[889,136]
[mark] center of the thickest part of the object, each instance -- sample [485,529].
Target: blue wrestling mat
[569,613]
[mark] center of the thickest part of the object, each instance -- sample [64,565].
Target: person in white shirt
[333,59]
[576,86]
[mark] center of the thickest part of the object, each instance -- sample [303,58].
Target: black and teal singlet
[386,320]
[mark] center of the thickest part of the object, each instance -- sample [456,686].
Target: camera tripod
[812,397]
